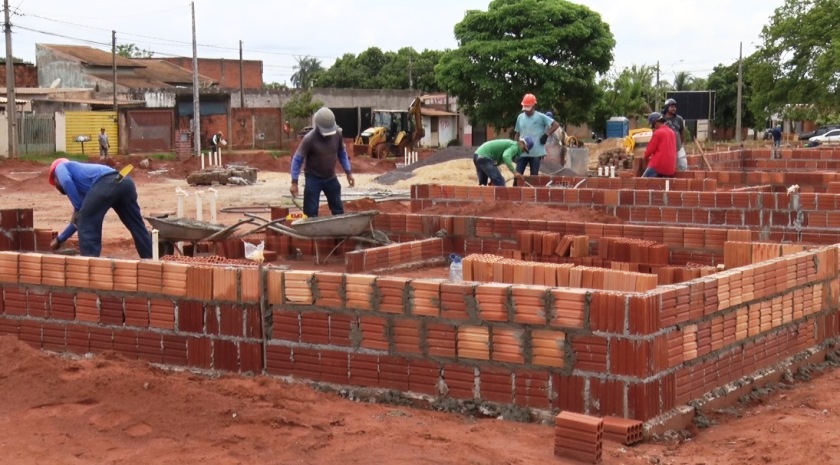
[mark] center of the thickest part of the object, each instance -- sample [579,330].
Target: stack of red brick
[18,233]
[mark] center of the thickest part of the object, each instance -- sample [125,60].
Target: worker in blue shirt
[93,190]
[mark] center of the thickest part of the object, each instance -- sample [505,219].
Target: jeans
[650,173]
[533,162]
[108,194]
[486,170]
[777,143]
[312,195]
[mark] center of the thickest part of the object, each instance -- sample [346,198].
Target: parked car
[830,137]
[820,131]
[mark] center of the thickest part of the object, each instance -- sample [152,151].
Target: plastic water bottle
[456,269]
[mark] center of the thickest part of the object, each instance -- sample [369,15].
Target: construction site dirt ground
[106,409]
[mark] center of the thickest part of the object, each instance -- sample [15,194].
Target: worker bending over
[490,155]
[661,152]
[93,190]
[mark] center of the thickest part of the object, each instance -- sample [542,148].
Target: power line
[166,41]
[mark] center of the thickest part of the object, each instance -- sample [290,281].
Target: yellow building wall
[88,123]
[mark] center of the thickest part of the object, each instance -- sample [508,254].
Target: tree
[799,59]
[630,93]
[133,51]
[683,81]
[552,48]
[724,81]
[375,69]
[300,108]
[275,86]
[306,72]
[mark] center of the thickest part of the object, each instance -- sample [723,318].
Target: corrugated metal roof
[433,112]
[92,56]
[17,101]
[169,73]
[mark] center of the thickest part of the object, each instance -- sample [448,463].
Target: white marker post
[181,193]
[199,208]
[202,159]
[212,199]
[155,243]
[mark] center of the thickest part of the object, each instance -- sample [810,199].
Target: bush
[454,143]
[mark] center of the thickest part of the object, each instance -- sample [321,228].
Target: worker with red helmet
[93,190]
[539,127]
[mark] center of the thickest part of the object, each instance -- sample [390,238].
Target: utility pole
[410,78]
[656,91]
[196,113]
[241,78]
[740,84]
[11,101]
[114,67]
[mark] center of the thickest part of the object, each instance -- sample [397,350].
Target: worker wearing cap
[677,124]
[93,190]
[491,154]
[539,127]
[661,151]
[317,154]
[216,141]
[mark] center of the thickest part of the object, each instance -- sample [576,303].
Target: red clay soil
[524,211]
[105,409]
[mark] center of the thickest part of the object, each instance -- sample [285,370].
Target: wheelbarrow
[357,226]
[173,230]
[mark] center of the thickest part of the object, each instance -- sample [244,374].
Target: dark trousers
[312,195]
[108,194]
[486,170]
[532,162]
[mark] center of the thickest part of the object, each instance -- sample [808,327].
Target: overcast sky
[684,35]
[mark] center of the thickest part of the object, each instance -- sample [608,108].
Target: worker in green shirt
[491,154]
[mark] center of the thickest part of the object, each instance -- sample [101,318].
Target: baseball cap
[324,120]
[654,117]
[529,143]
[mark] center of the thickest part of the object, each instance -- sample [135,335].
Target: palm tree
[683,81]
[306,71]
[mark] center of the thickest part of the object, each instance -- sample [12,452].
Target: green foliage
[276,154]
[724,81]
[797,63]
[683,81]
[133,51]
[275,86]
[163,156]
[300,108]
[552,48]
[453,143]
[375,69]
[630,93]
[306,72]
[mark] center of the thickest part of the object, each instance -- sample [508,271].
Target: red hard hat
[55,163]
[529,100]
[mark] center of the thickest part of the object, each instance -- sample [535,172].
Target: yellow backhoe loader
[391,132]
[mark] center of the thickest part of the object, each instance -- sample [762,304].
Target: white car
[830,137]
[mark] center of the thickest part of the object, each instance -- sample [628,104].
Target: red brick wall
[26,75]
[226,72]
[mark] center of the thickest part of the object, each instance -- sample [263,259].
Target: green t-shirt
[500,151]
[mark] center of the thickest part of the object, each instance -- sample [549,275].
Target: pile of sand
[452,173]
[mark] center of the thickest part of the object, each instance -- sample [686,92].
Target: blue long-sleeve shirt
[319,154]
[76,179]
